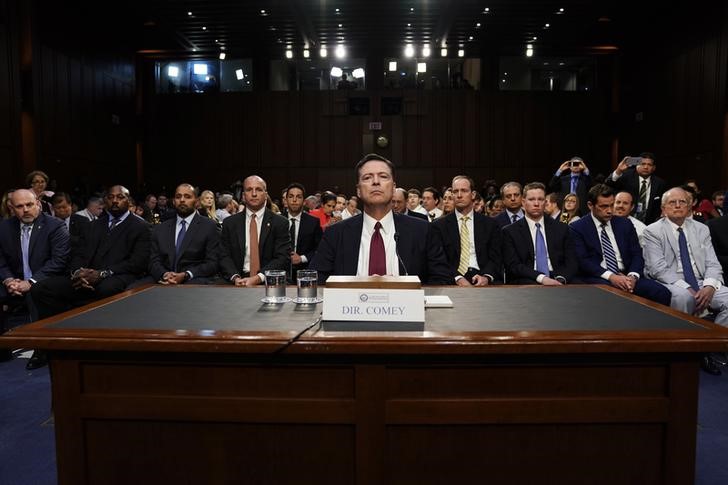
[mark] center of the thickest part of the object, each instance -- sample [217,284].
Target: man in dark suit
[577,181]
[399,204]
[185,248]
[379,242]
[471,241]
[114,254]
[529,255]
[33,247]
[645,187]
[608,250]
[75,223]
[511,193]
[244,259]
[305,230]
[719,235]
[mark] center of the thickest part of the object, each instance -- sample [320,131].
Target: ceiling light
[358,73]
[409,25]
[561,63]
[421,67]
[337,10]
[461,53]
[222,56]
[204,28]
[340,51]
[340,25]
[239,74]
[200,69]
[486,10]
[189,13]
[426,51]
[323,52]
[443,52]
[561,10]
[470,37]
[477,26]
[289,54]
[535,38]
[262,12]
[409,51]
[336,72]
[503,80]
[172,71]
[529,50]
[392,66]
[547,26]
[412,9]
[306,53]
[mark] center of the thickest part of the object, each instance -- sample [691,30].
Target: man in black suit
[244,259]
[608,250]
[379,242]
[33,247]
[577,181]
[75,223]
[399,204]
[184,248]
[529,255]
[474,260]
[511,193]
[305,230]
[645,187]
[719,236]
[114,253]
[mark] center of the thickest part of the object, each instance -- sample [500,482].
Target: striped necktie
[464,246]
[610,257]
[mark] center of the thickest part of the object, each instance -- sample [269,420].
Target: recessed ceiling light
[289,54]
[426,51]
[547,26]
[470,37]
[337,10]
[561,10]
[204,28]
[535,38]
[409,25]
[443,52]
[461,53]
[421,67]
[340,51]
[561,63]
[409,51]
[392,66]
[189,13]
[306,53]
[412,9]
[340,25]
[323,52]
[222,56]
[477,25]
[486,10]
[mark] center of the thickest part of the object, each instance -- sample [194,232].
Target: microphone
[396,251]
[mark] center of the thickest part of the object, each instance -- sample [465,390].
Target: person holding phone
[572,177]
[645,187]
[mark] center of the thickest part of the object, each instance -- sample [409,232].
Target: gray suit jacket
[662,253]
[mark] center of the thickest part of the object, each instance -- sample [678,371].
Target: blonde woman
[571,209]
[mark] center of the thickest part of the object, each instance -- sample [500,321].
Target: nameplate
[373,305]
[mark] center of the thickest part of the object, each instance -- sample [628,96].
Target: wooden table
[514,385]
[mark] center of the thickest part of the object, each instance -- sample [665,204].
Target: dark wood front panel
[217,453]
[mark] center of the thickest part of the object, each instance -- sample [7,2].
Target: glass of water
[275,286]
[307,286]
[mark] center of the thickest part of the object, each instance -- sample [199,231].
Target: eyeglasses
[674,203]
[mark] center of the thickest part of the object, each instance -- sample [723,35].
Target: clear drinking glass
[275,286]
[307,286]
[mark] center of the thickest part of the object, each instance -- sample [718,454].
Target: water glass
[275,286]
[307,286]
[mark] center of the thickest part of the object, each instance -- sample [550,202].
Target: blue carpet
[27,447]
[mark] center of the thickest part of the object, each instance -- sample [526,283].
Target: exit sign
[375,125]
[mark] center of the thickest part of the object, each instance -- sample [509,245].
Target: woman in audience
[207,206]
[494,206]
[37,181]
[571,209]
[6,212]
[478,203]
[448,201]
[328,203]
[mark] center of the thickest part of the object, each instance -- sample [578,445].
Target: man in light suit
[476,261]
[679,254]
[608,250]
[529,255]
[254,240]
[379,242]
[646,187]
[305,230]
[185,247]
[33,247]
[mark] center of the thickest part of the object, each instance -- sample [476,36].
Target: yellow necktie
[464,246]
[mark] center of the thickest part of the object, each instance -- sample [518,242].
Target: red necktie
[377,258]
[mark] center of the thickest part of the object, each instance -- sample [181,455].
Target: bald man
[254,240]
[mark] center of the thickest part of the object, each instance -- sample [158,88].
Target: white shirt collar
[387,223]
[460,215]
[187,219]
[599,223]
[258,213]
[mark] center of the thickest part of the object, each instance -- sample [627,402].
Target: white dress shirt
[387,231]
[294,243]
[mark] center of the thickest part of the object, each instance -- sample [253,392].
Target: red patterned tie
[377,259]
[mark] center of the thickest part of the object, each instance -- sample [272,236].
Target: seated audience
[512,198]
[37,181]
[430,201]
[75,224]
[94,208]
[399,204]
[305,230]
[351,208]
[623,206]
[414,201]
[207,207]
[6,209]
[471,241]
[448,202]
[226,206]
[571,209]
[713,208]
[494,207]
[325,213]
[537,249]
[608,251]
[552,206]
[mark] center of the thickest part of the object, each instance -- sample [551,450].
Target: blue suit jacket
[49,248]
[338,253]
[588,247]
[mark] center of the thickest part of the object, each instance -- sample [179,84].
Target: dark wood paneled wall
[310,137]
[675,87]
[9,95]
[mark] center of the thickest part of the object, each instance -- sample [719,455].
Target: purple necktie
[377,259]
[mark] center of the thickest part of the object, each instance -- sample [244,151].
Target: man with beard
[113,254]
[184,248]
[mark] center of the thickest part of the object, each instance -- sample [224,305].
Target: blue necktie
[114,222]
[180,239]
[609,256]
[542,259]
[574,183]
[688,272]
[25,246]
[514,218]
